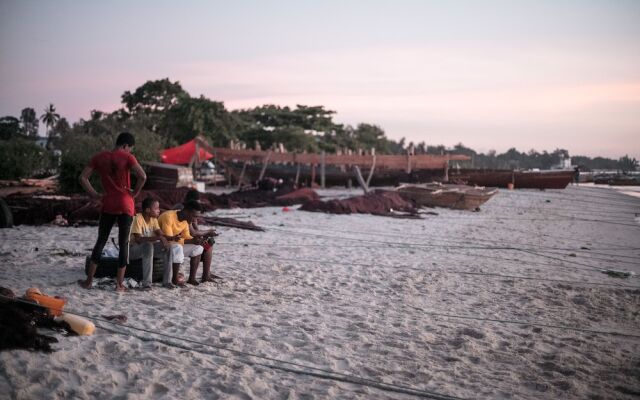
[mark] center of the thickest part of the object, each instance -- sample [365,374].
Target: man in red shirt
[114,168]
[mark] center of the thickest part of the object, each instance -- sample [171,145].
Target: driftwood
[28,186]
[230,222]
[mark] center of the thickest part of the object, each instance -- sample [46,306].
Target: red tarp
[182,154]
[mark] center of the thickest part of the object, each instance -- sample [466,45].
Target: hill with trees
[162,114]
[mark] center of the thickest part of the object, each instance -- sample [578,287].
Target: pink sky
[527,75]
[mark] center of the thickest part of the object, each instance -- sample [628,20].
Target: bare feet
[169,285]
[121,288]
[179,283]
[211,278]
[193,282]
[85,284]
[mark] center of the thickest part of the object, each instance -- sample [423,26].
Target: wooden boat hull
[333,176]
[520,179]
[458,197]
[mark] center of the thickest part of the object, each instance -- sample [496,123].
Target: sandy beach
[509,302]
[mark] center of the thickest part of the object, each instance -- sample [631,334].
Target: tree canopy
[161,114]
[29,122]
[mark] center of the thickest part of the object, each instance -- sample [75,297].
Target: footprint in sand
[471,332]
[158,389]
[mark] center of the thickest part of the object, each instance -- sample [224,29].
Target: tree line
[162,114]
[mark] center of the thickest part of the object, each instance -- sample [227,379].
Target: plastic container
[79,325]
[510,186]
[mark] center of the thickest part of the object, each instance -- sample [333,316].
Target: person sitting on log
[148,239]
[114,168]
[206,236]
[175,224]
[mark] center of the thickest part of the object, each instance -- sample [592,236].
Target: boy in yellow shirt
[175,224]
[146,239]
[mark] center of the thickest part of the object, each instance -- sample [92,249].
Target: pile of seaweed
[381,202]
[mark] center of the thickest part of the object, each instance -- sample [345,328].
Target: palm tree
[50,119]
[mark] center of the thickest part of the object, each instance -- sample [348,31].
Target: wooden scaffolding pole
[264,165]
[361,181]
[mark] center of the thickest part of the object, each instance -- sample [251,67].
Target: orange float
[53,304]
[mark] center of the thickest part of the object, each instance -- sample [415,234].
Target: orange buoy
[53,304]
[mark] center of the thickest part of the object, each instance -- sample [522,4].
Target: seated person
[147,239]
[175,224]
[206,237]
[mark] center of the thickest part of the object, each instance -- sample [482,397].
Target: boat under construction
[247,166]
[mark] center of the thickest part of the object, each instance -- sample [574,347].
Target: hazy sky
[490,74]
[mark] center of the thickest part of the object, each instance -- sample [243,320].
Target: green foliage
[50,119]
[9,128]
[161,113]
[338,139]
[314,118]
[198,116]
[154,97]
[62,127]
[271,124]
[29,122]
[294,138]
[87,138]
[371,136]
[511,159]
[596,163]
[627,164]
[21,158]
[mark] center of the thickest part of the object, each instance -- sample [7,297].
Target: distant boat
[458,197]
[616,180]
[519,179]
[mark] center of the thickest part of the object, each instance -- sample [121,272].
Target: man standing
[147,239]
[114,168]
[176,224]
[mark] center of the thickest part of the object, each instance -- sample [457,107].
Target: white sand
[370,319]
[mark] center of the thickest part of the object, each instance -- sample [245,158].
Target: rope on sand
[626,202]
[429,245]
[541,325]
[492,243]
[478,241]
[615,285]
[286,366]
[418,245]
[322,374]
